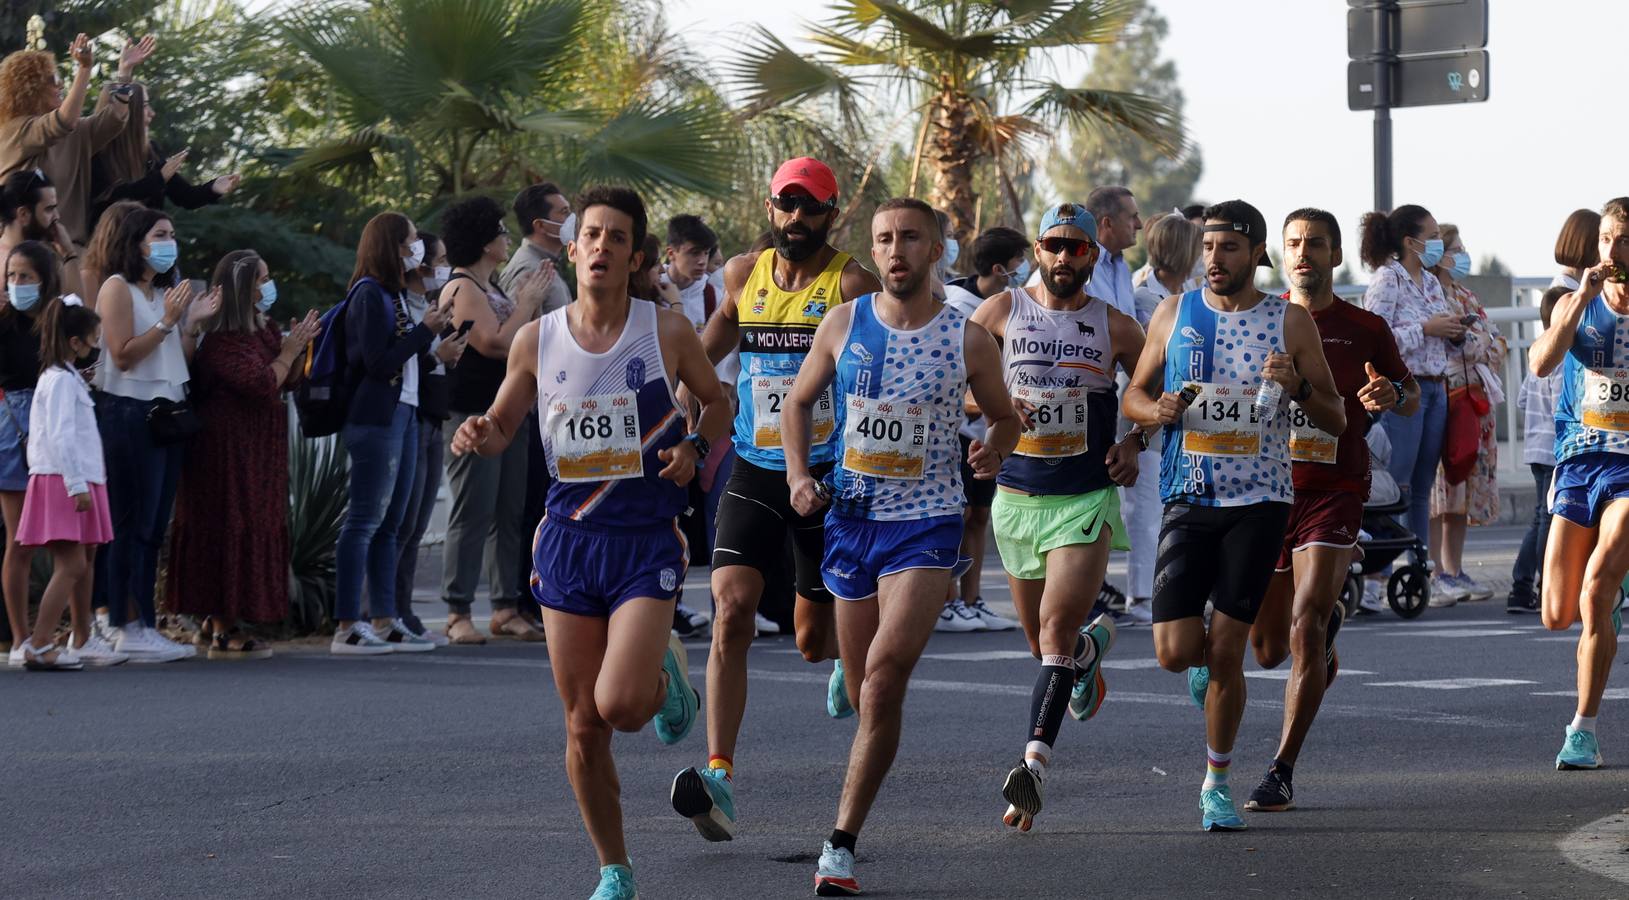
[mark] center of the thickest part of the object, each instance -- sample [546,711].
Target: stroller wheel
[1407,591]
[1351,594]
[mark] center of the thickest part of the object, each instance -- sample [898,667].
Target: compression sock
[1047,703]
[1216,765]
[1583,723]
[842,840]
[724,763]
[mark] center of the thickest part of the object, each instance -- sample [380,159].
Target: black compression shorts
[751,529]
[1224,554]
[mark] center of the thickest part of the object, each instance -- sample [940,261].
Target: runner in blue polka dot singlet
[1225,477]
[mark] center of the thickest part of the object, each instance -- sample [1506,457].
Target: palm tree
[465,95]
[972,73]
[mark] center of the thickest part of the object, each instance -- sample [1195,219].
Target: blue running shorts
[859,552]
[1586,483]
[590,570]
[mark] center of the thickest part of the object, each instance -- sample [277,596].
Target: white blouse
[162,373]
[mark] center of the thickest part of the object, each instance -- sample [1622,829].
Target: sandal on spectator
[516,626]
[231,645]
[62,659]
[460,630]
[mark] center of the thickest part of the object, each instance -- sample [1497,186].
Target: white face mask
[439,279]
[568,229]
[415,257]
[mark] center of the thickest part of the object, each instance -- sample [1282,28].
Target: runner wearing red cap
[773,301]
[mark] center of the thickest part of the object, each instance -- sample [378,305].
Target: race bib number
[1606,400]
[1058,416]
[769,393]
[885,438]
[1221,421]
[596,438]
[1309,443]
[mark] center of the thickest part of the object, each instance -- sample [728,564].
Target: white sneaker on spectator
[405,640]
[14,659]
[1141,612]
[1474,590]
[98,652]
[992,622]
[956,617]
[135,641]
[1445,592]
[688,623]
[764,625]
[188,651]
[1374,596]
[359,640]
[433,636]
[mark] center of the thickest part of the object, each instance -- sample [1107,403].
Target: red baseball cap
[808,173]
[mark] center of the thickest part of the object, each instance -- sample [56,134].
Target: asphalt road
[1429,775]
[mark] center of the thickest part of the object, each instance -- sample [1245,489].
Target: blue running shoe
[837,705]
[674,720]
[1216,811]
[1198,684]
[616,883]
[1089,689]
[1581,751]
[835,875]
[706,798]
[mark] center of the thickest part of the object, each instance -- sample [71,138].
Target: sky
[1265,82]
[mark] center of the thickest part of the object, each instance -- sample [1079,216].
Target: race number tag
[1059,419]
[596,438]
[1309,443]
[1221,421]
[1606,399]
[769,393]
[885,438]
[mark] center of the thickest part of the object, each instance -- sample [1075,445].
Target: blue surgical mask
[23,296]
[1432,254]
[953,249]
[1018,276]
[1462,263]
[268,295]
[161,255]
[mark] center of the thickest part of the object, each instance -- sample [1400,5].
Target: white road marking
[980,656]
[1456,633]
[1617,693]
[1600,847]
[1283,674]
[1450,684]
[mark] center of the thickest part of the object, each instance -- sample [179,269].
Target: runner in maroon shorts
[1299,616]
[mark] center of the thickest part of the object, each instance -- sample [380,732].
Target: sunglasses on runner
[793,202]
[1065,246]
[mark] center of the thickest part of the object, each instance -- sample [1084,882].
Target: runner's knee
[884,684]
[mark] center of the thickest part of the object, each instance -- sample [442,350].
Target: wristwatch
[1141,436]
[1398,387]
[1304,391]
[701,445]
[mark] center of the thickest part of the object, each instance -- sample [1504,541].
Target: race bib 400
[885,438]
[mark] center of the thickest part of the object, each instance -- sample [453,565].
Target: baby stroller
[1384,538]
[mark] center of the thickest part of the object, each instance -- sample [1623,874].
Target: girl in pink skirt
[65,508]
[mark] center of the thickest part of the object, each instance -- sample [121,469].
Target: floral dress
[1477,497]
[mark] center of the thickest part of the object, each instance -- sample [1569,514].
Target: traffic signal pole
[1383,58]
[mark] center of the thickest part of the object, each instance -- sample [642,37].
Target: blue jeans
[1524,577]
[1416,449]
[141,481]
[383,458]
[416,520]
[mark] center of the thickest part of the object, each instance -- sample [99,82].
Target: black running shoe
[1273,794]
[1521,603]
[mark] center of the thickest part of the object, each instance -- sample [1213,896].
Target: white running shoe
[992,622]
[98,652]
[405,640]
[1374,597]
[1141,612]
[1474,590]
[956,617]
[765,626]
[1446,591]
[433,636]
[359,640]
[188,651]
[136,642]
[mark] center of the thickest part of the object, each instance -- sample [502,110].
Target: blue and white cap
[1068,214]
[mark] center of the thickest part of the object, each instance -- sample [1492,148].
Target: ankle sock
[842,840]
[1216,766]
[724,763]
[1583,723]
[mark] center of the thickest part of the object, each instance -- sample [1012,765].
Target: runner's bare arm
[989,390]
[1324,405]
[857,281]
[797,414]
[992,317]
[1551,347]
[490,434]
[696,378]
[723,332]
[1145,402]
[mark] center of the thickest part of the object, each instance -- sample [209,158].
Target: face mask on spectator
[1018,276]
[1432,254]
[568,229]
[414,257]
[1462,263]
[439,279]
[268,295]
[23,296]
[161,255]
[953,249]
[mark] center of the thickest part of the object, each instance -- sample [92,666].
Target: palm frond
[771,74]
[1091,108]
[1085,22]
[660,148]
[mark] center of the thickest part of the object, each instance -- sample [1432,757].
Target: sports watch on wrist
[701,445]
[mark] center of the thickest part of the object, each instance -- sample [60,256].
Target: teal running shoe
[616,883]
[1216,810]
[676,717]
[837,705]
[1198,684]
[706,798]
[1090,688]
[1581,751]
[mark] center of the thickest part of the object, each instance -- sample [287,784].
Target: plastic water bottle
[1266,405]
